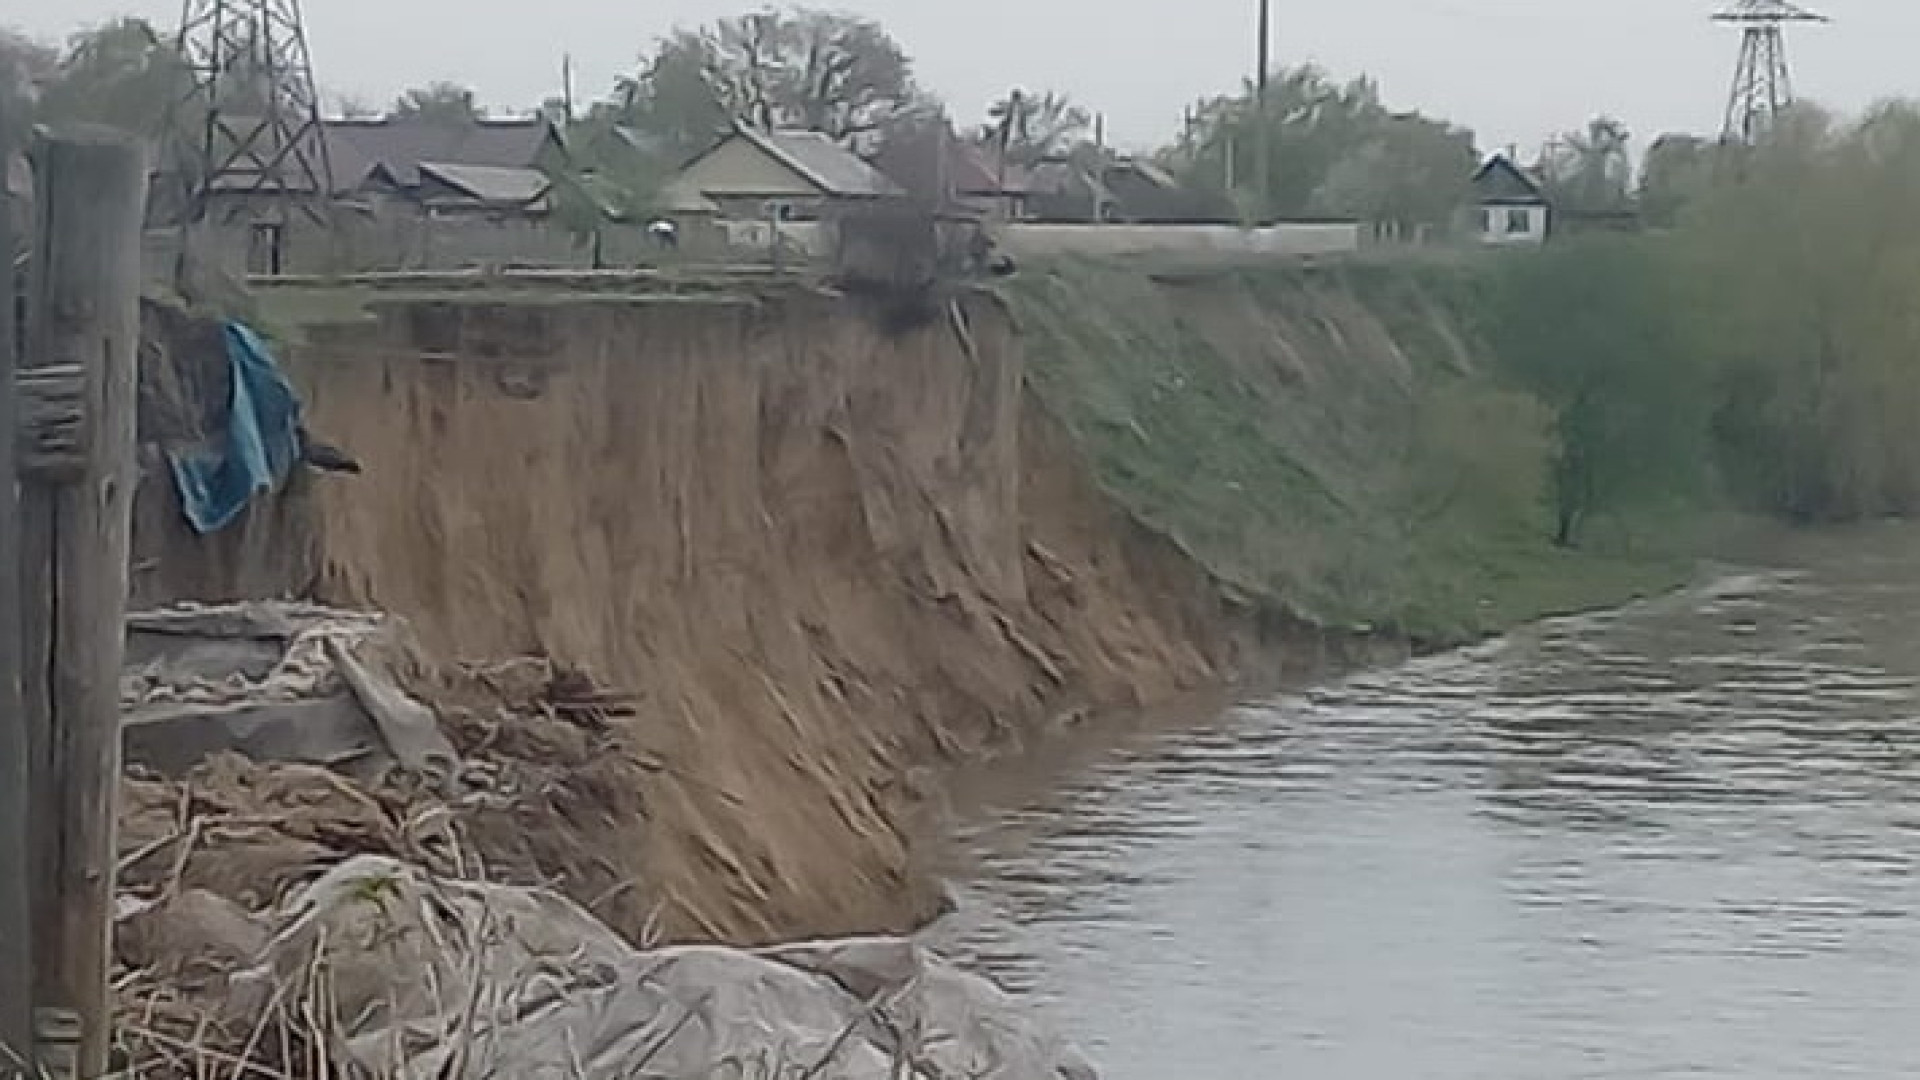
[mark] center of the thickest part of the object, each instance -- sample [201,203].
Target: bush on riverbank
[1803,263]
[1444,445]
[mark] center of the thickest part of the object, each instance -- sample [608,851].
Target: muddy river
[1675,840]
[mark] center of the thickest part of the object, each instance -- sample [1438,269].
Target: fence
[363,244]
[1285,239]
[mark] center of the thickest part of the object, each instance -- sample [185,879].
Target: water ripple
[1677,840]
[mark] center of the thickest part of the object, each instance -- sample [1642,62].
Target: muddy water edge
[1677,838]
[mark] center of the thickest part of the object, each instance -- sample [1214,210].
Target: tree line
[1331,148]
[1760,345]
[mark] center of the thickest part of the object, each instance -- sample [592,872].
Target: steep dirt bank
[827,557]
[820,554]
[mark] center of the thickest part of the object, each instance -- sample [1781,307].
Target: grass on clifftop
[1327,440]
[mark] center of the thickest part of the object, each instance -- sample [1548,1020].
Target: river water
[1675,840]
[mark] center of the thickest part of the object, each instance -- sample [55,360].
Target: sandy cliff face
[820,553]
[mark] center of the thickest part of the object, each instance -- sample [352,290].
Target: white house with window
[1512,206]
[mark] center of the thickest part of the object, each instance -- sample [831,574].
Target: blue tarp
[260,446]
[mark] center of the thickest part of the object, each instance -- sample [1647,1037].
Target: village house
[940,169]
[987,185]
[1066,189]
[1511,204]
[785,175]
[455,190]
[439,168]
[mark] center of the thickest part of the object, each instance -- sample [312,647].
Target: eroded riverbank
[1673,839]
[822,555]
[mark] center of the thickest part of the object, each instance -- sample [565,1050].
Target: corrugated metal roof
[826,164]
[356,147]
[490,183]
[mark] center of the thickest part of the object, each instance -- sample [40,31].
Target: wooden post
[1263,131]
[78,476]
[16,842]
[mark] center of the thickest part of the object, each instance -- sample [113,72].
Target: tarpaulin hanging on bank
[259,447]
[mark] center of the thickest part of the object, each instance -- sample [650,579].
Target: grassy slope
[1326,440]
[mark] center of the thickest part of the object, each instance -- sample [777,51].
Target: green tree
[793,67]
[1590,328]
[120,74]
[351,106]
[670,98]
[438,102]
[24,65]
[1412,172]
[605,180]
[1804,265]
[1678,171]
[1325,143]
[1029,128]
[1590,172]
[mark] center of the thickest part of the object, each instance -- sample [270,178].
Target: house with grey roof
[446,168]
[1512,202]
[450,190]
[793,175]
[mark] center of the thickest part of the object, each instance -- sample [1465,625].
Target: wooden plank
[85,312]
[16,898]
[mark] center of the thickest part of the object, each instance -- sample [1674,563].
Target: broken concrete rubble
[276,682]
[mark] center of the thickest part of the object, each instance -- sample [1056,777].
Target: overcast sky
[1512,70]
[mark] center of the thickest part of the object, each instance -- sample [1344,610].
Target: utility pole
[1263,167]
[16,830]
[77,474]
[1762,81]
[260,161]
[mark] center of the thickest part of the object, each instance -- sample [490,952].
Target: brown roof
[355,148]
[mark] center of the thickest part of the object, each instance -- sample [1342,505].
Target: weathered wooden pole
[16,842]
[79,384]
[1263,131]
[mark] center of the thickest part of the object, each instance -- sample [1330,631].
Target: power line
[1762,80]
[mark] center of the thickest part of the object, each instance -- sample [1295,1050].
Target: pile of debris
[323,876]
[378,969]
[276,682]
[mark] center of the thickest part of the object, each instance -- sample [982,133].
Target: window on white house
[1486,222]
[1519,221]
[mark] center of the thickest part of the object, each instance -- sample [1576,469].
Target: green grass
[1470,587]
[1328,441]
[288,312]
[285,313]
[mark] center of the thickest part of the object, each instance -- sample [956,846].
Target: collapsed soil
[819,555]
[550,791]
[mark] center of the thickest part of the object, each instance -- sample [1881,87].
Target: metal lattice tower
[1762,82]
[248,140]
